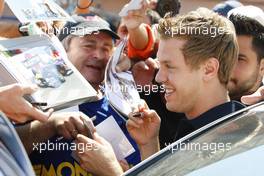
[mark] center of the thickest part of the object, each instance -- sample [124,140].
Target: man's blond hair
[208,35]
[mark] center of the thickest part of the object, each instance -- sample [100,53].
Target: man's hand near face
[124,64]
[253,98]
[144,71]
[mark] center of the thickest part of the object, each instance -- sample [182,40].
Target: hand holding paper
[42,61]
[120,88]
[16,107]
[101,155]
[134,13]
[132,5]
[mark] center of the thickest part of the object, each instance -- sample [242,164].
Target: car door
[232,145]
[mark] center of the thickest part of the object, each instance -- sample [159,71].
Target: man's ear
[210,69]
[261,67]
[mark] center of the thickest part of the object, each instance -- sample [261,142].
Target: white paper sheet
[37,10]
[132,5]
[110,130]
[120,88]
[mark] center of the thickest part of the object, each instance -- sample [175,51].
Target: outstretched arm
[67,125]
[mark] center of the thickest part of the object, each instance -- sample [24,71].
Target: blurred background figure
[165,6]
[225,7]
[1,6]
[249,70]
[8,25]
[153,4]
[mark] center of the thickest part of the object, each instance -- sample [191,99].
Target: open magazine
[42,61]
[120,88]
[37,10]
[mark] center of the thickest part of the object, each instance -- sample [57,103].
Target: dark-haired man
[248,73]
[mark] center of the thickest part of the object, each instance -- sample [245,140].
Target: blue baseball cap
[224,8]
[86,25]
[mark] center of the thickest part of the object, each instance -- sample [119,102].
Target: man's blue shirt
[61,162]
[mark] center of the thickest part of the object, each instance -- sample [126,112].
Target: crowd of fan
[201,75]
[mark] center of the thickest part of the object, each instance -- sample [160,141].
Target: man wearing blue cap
[225,7]
[89,44]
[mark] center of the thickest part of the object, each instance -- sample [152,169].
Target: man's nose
[160,77]
[234,73]
[97,53]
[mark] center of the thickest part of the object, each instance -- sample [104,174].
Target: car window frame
[166,151]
